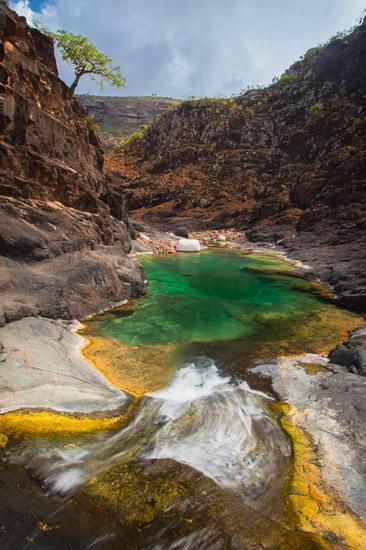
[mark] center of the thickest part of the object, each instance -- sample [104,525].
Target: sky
[184,48]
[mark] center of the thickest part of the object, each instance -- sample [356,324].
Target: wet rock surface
[286,164]
[159,503]
[331,407]
[64,231]
[341,265]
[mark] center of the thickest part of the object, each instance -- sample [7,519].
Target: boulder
[181,232]
[352,353]
[188,245]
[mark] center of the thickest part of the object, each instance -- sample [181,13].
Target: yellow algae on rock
[138,496]
[135,369]
[316,510]
[3,441]
[44,423]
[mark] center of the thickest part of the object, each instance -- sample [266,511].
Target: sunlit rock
[188,245]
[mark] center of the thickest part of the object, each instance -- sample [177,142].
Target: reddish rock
[64,231]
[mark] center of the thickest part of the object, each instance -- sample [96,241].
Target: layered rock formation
[121,116]
[286,163]
[64,231]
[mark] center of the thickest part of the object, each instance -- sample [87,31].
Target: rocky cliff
[121,116]
[286,163]
[64,232]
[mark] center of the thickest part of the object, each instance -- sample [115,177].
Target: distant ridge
[121,116]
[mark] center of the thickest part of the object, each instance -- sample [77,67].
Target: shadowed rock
[352,353]
[64,231]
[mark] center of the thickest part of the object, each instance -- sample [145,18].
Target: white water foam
[218,428]
[202,419]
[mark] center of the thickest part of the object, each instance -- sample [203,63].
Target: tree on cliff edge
[86,59]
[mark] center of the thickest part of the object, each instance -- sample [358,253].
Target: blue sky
[183,48]
[36,5]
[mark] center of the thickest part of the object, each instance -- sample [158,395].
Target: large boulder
[188,245]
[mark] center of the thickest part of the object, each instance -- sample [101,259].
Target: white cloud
[22,8]
[197,47]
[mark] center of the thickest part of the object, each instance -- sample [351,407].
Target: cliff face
[285,163]
[121,116]
[64,232]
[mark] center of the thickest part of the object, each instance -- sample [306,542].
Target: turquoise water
[212,296]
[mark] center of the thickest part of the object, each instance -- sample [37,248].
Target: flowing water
[198,460]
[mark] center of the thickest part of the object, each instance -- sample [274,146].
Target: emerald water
[206,297]
[226,301]
[213,296]
[198,459]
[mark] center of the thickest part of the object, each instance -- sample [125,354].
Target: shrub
[92,125]
[313,51]
[315,109]
[289,77]
[136,135]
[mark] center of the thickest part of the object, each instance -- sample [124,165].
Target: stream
[198,458]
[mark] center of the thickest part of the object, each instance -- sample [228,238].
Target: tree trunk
[75,83]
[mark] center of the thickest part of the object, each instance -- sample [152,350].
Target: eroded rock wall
[64,231]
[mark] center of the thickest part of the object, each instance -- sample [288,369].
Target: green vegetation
[342,36]
[92,125]
[86,59]
[251,88]
[315,109]
[286,186]
[312,52]
[136,135]
[288,77]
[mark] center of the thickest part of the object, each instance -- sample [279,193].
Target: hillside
[286,163]
[121,116]
[64,231]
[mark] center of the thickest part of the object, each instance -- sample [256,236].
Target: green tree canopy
[86,59]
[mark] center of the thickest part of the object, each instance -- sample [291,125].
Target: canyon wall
[64,231]
[286,163]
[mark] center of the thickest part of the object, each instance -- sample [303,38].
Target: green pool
[225,297]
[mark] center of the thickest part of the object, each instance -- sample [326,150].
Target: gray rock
[352,353]
[44,369]
[331,407]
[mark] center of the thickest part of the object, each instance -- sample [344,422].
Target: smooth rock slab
[42,367]
[331,407]
[188,245]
